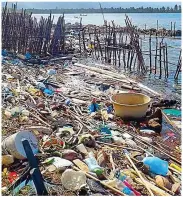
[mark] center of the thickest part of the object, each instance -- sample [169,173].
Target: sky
[65,5]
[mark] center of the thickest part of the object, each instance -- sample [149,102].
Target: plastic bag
[156,165]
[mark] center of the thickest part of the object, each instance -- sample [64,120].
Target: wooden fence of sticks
[22,32]
[120,46]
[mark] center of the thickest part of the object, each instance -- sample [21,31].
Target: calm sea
[138,19]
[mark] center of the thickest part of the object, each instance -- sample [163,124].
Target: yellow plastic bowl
[130,105]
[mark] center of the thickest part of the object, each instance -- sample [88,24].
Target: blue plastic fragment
[4,52]
[127,191]
[93,107]
[109,109]
[28,56]
[67,101]
[172,112]
[15,61]
[47,91]
[105,130]
[21,185]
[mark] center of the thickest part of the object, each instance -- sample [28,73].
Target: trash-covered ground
[65,113]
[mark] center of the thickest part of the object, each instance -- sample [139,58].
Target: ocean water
[138,19]
[168,86]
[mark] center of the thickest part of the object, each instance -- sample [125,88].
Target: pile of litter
[61,134]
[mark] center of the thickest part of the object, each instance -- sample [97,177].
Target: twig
[40,119]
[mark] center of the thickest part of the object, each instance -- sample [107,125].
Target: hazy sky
[50,5]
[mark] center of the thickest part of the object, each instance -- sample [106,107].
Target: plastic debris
[156,165]
[73,180]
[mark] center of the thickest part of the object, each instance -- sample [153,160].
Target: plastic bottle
[122,187]
[122,177]
[66,64]
[93,165]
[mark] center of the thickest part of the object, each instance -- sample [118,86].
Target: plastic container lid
[32,141]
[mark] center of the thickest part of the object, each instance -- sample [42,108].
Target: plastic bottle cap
[98,171]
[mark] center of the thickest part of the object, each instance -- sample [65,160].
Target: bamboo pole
[166,61]
[150,54]
[160,61]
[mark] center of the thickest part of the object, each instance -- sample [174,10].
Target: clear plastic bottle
[122,187]
[93,165]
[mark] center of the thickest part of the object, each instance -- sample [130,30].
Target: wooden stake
[150,53]
[160,61]
[174,29]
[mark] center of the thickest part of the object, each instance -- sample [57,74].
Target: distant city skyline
[86,5]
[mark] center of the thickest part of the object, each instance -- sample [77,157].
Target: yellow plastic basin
[130,105]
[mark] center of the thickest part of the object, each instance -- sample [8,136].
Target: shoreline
[81,110]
